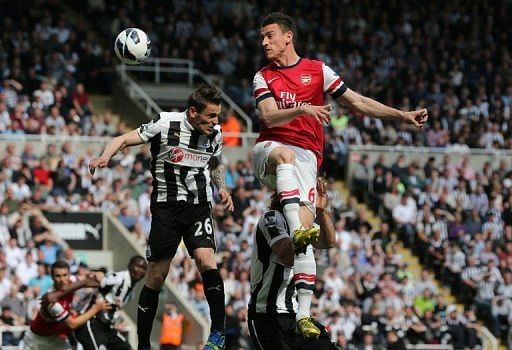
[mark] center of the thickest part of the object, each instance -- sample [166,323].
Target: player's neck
[287,59]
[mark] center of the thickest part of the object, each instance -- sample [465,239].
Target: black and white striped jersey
[117,289]
[272,288]
[180,158]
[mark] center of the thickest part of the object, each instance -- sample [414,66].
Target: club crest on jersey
[305,79]
[176,155]
[205,143]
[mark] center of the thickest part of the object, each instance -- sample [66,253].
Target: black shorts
[96,335]
[272,332]
[171,222]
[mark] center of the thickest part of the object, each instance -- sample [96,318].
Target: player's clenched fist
[97,163]
[417,118]
[320,113]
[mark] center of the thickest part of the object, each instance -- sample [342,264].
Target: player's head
[204,108]
[278,32]
[60,274]
[137,267]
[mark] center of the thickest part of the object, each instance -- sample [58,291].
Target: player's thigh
[92,335]
[306,172]
[272,334]
[264,162]
[117,341]
[165,235]
[197,223]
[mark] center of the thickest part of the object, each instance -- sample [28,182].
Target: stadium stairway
[413,264]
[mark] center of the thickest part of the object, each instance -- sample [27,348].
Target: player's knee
[285,156]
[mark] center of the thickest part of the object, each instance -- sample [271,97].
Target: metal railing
[489,341]
[174,65]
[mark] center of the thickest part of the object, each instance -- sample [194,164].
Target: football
[132,46]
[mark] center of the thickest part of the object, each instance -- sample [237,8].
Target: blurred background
[423,218]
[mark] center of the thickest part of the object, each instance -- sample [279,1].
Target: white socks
[304,278]
[289,194]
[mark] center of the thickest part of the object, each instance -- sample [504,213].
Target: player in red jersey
[53,323]
[290,95]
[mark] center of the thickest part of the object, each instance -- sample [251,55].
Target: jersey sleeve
[219,140]
[274,227]
[111,280]
[260,88]
[333,85]
[58,312]
[149,130]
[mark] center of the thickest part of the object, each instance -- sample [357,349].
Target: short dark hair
[204,95]
[284,21]
[59,264]
[136,259]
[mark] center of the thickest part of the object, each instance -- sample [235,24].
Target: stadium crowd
[458,220]
[47,66]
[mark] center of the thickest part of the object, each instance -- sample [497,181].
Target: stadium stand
[452,57]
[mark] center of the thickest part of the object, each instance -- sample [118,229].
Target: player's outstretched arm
[372,108]
[327,237]
[53,297]
[273,116]
[131,138]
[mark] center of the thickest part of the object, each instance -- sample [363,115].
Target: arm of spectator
[372,108]
[15,84]
[75,322]
[327,237]
[470,283]
[129,139]
[272,116]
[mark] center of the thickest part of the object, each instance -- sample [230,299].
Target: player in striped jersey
[290,94]
[273,306]
[186,158]
[117,289]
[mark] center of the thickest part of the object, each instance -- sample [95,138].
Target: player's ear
[289,37]
[192,111]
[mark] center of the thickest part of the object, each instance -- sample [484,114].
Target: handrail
[489,341]
[134,89]
[154,65]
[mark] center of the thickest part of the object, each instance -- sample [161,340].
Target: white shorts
[305,168]
[33,341]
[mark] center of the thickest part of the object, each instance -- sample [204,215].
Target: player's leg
[92,335]
[304,263]
[164,238]
[272,333]
[274,166]
[200,242]
[116,341]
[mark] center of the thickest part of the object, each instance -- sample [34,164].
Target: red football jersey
[49,321]
[306,82]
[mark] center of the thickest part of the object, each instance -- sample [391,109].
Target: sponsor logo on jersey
[185,157]
[176,155]
[305,79]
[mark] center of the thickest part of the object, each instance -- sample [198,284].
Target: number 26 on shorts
[201,227]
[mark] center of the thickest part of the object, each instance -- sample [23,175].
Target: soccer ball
[132,46]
